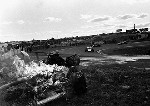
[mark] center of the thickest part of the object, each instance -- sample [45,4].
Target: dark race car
[40,89]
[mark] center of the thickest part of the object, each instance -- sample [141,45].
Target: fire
[18,69]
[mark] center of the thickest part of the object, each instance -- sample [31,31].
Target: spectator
[73,60]
[54,58]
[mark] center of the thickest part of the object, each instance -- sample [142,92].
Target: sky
[22,20]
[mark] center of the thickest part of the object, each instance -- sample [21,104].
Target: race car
[45,82]
[89,49]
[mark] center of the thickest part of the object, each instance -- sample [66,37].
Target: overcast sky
[44,19]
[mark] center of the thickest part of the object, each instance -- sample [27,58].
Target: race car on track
[89,49]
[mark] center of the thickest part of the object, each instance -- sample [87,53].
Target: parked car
[124,42]
[89,49]
[96,45]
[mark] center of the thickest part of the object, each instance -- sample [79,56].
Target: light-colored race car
[89,49]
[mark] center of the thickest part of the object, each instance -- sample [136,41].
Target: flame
[18,68]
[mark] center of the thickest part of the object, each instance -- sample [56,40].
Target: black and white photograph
[74,52]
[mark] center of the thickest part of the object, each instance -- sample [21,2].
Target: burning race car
[38,83]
